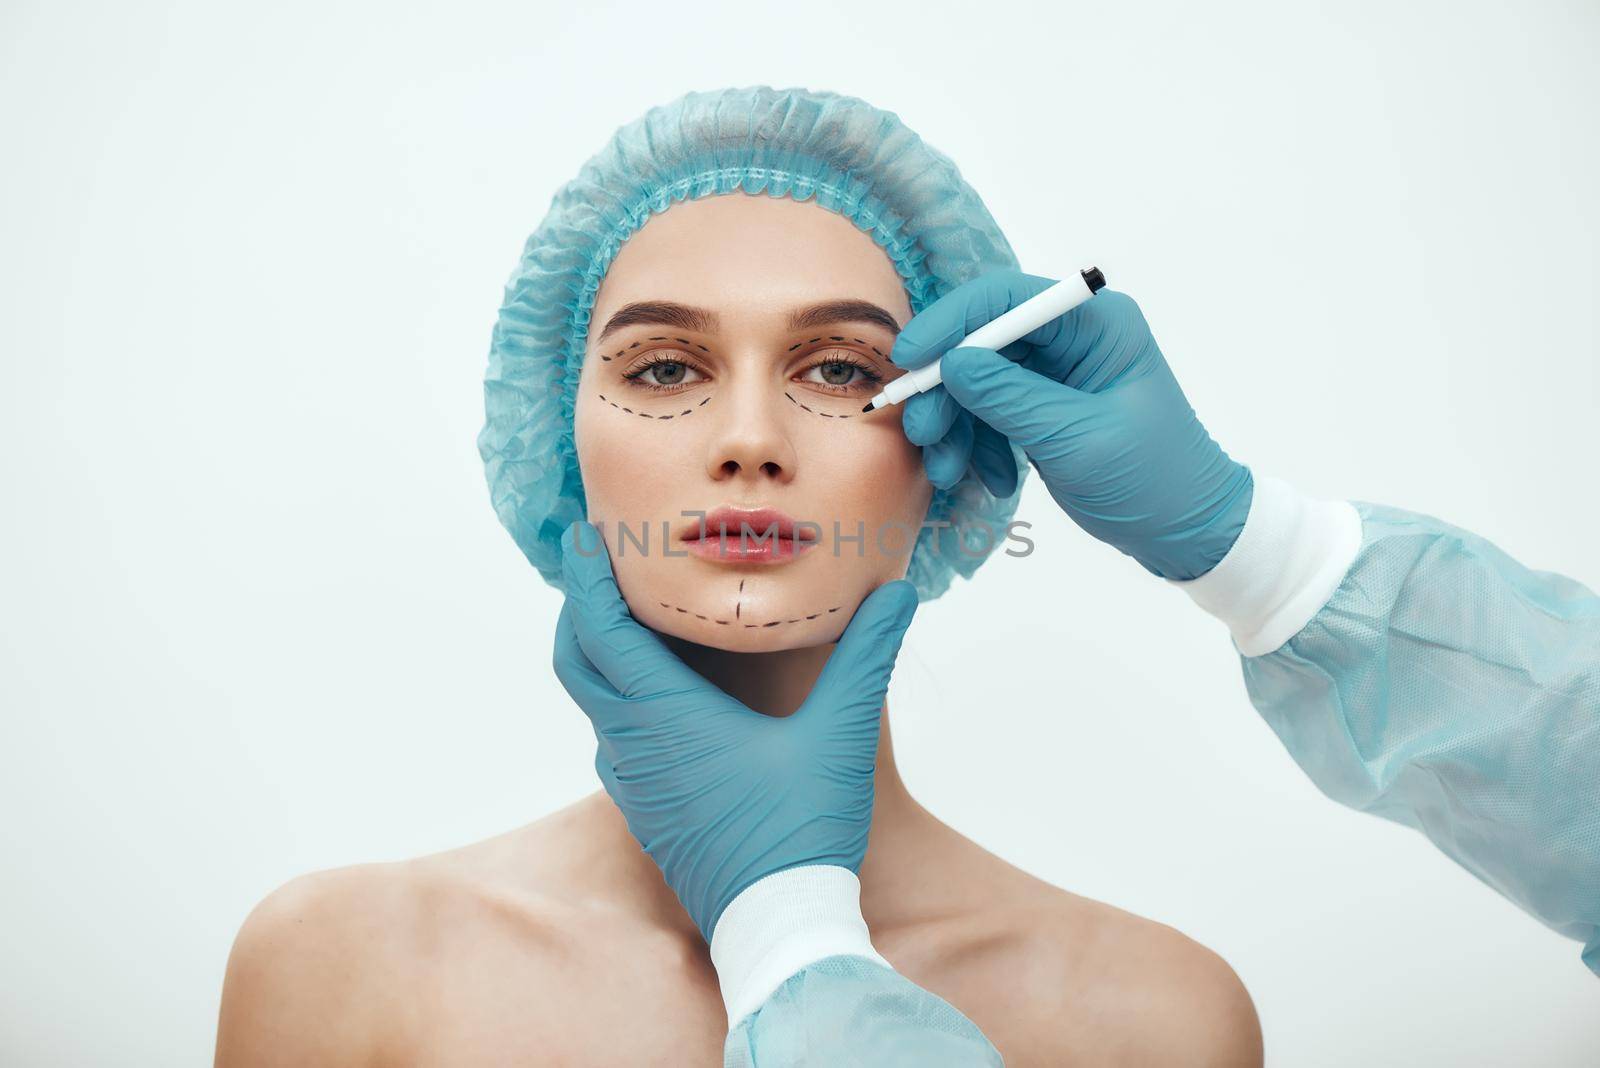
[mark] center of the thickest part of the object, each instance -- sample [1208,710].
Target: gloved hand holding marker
[997,334]
[1088,396]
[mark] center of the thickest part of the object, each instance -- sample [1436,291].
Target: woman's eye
[664,374]
[840,374]
[667,373]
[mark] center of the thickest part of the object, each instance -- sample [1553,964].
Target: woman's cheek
[895,477]
[881,481]
[625,478]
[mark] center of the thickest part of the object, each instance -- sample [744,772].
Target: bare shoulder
[295,991]
[1052,977]
[1055,978]
[1139,991]
[484,954]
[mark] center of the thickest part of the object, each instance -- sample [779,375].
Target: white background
[259,618]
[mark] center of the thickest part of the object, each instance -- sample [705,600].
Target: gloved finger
[993,460]
[941,325]
[607,774]
[634,659]
[577,676]
[945,461]
[606,754]
[927,416]
[591,691]
[856,675]
[1094,344]
[1025,406]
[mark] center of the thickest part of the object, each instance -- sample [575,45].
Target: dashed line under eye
[649,415]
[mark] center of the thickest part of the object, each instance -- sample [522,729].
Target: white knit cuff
[1291,555]
[780,924]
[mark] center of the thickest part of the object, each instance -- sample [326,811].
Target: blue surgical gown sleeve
[803,984]
[1417,672]
[853,1011]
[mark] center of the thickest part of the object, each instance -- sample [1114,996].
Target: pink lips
[748,536]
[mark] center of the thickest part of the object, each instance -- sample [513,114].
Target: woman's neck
[777,684]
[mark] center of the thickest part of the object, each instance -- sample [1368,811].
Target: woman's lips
[731,548]
[748,536]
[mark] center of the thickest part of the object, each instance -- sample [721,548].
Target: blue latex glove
[720,795]
[1090,399]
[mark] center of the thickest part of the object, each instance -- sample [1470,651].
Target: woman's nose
[751,438]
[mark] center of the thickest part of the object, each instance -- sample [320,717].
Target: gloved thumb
[857,672]
[1025,406]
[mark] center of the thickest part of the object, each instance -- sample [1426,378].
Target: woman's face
[732,346]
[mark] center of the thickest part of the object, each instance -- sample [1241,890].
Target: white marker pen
[997,334]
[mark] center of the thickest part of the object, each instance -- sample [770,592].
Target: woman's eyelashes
[834,371]
[839,372]
[662,373]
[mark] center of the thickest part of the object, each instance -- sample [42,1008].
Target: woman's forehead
[744,254]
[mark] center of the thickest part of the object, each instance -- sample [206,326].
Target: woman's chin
[752,610]
[766,628]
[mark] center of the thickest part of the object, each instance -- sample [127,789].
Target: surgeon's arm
[803,985]
[1418,673]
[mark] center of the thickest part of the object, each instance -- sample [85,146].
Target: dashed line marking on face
[736,612]
[648,415]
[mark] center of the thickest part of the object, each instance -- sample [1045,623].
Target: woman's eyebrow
[705,321]
[842,311]
[661,313]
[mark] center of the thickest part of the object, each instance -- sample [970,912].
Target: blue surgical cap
[845,154]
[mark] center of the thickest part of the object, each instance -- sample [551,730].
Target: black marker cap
[1094,279]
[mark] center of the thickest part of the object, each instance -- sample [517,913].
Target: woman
[682,359]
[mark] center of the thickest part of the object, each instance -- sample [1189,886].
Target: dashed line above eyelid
[841,339]
[664,337]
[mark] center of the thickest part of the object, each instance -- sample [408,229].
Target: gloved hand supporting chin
[717,794]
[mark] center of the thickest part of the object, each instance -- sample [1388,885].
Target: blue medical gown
[1443,686]
[1447,687]
[848,1011]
